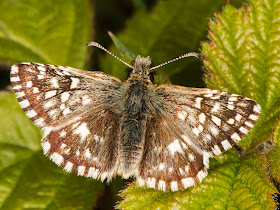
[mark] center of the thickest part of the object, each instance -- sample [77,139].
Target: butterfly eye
[128,72]
[152,75]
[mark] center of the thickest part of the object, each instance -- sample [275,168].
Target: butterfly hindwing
[168,161]
[87,144]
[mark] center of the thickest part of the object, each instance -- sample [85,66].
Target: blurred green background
[56,32]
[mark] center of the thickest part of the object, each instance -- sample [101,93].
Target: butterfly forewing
[52,94]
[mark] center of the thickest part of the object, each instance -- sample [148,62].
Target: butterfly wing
[195,124]
[55,98]
[52,94]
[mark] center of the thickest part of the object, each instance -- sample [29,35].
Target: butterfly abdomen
[135,114]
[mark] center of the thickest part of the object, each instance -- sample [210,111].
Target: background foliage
[241,55]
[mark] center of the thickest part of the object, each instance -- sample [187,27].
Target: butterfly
[98,126]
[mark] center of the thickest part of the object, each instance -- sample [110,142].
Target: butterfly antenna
[95,44]
[191,54]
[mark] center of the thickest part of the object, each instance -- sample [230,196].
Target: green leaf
[45,31]
[242,58]
[274,163]
[234,184]
[274,155]
[276,134]
[120,46]
[28,179]
[168,31]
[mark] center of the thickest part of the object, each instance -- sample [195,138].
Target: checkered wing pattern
[68,104]
[196,124]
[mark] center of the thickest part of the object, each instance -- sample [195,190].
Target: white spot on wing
[62,134]
[57,158]
[181,171]
[40,76]
[216,107]
[20,94]
[24,103]
[50,94]
[257,108]
[82,130]
[201,175]
[161,166]
[29,84]
[49,104]
[174,186]
[188,182]
[231,107]
[92,172]
[182,115]
[81,170]
[140,182]
[161,185]
[253,117]
[62,106]
[62,146]
[54,82]
[74,83]
[14,79]
[214,130]
[243,130]
[46,146]
[64,96]
[198,102]
[175,147]
[196,131]
[232,99]
[216,120]
[87,153]
[35,90]
[66,111]
[230,121]
[249,124]
[216,150]
[235,137]
[226,145]
[191,157]
[85,100]
[202,118]
[14,69]
[40,122]
[41,68]
[68,167]
[31,113]
[151,183]
[103,176]
[238,117]
[17,87]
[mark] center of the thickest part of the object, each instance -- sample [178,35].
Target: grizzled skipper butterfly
[99,127]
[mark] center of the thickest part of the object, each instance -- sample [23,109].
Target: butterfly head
[141,68]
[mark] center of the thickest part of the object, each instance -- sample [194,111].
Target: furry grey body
[137,104]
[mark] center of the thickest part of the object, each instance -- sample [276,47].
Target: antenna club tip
[91,44]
